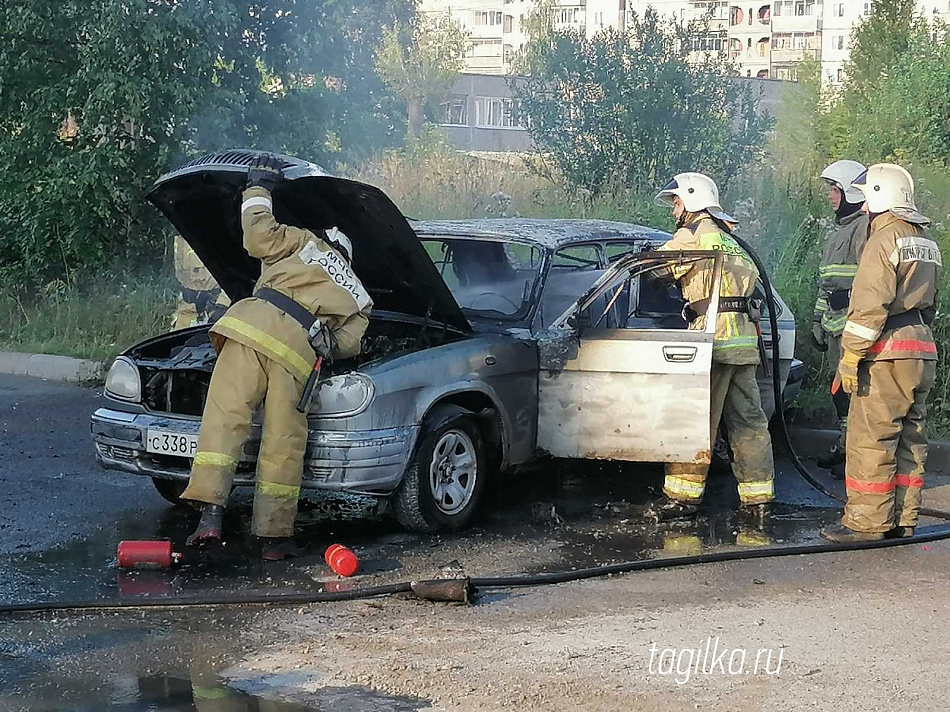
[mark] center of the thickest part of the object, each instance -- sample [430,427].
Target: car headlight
[123,381]
[342,396]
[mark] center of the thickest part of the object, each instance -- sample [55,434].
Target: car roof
[547,233]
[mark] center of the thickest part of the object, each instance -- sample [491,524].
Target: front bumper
[364,462]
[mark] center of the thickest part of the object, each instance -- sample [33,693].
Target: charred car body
[491,342]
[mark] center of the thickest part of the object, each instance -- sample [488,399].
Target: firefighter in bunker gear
[734,391]
[839,263]
[201,299]
[264,355]
[888,362]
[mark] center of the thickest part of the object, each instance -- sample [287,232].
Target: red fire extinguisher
[146,555]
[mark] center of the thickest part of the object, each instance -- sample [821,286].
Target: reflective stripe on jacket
[302,266]
[736,336]
[839,264]
[899,271]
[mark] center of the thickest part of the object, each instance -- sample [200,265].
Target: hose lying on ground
[931,534]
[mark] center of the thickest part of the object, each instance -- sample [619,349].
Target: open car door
[641,393]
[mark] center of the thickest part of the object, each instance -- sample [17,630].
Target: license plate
[163,442]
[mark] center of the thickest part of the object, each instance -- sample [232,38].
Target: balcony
[796,23]
[793,56]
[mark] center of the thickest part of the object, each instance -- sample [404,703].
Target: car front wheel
[445,479]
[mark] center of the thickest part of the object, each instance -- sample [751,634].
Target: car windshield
[488,278]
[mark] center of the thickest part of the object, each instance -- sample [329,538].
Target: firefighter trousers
[887,444]
[840,399]
[735,400]
[242,380]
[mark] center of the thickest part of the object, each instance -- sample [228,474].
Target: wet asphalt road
[62,517]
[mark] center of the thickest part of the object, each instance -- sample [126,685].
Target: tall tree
[97,99]
[420,63]
[631,108]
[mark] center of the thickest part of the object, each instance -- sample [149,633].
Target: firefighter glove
[322,340]
[818,337]
[848,371]
[265,172]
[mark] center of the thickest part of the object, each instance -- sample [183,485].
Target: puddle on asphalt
[591,513]
[207,692]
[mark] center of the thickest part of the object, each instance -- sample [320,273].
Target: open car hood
[202,199]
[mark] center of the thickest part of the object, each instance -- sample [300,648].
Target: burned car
[492,343]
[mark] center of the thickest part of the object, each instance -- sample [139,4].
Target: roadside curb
[51,368]
[809,442]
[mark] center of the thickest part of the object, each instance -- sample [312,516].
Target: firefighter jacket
[839,264]
[894,295]
[189,270]
[736,335]
[302,266]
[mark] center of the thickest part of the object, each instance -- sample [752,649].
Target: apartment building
[767,39]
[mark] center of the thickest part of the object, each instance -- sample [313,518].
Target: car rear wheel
[170,489]
[445,479]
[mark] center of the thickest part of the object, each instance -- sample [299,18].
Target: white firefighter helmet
[337,238]
[888,187]
[697,191]
[842,174]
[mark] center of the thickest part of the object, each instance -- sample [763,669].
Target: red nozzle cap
[343,561]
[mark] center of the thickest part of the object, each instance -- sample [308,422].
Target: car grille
[116,453]
[229,158]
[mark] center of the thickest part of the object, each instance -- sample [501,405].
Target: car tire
[170,489]
[445,480]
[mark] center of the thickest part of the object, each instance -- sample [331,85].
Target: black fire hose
[932,534]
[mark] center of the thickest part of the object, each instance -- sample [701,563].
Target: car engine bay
[176,376]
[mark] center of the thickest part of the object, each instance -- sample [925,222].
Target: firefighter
[888,361]
[306,302]
[702,225]
[839,263]
[201,299]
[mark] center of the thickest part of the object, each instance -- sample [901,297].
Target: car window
[573,259]
[643,299]
[490,278]
[615,250]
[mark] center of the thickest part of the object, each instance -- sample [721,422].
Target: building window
[840,75]
[839,8]
[509,54]
[840,41]
[496,112]
[713,42]
[487,18]
[509,23]
[599,19]
[788,74]
[453,113]
[804,8]
[868,7]
[485,48]
[567,15]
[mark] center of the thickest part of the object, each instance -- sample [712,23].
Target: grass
[93,322]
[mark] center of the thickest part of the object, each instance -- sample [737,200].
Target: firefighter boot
[209,527]
[667,509]
[899,533]
[843,535]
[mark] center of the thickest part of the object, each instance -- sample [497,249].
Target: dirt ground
[862,630]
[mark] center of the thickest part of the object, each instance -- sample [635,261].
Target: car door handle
[679,354]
